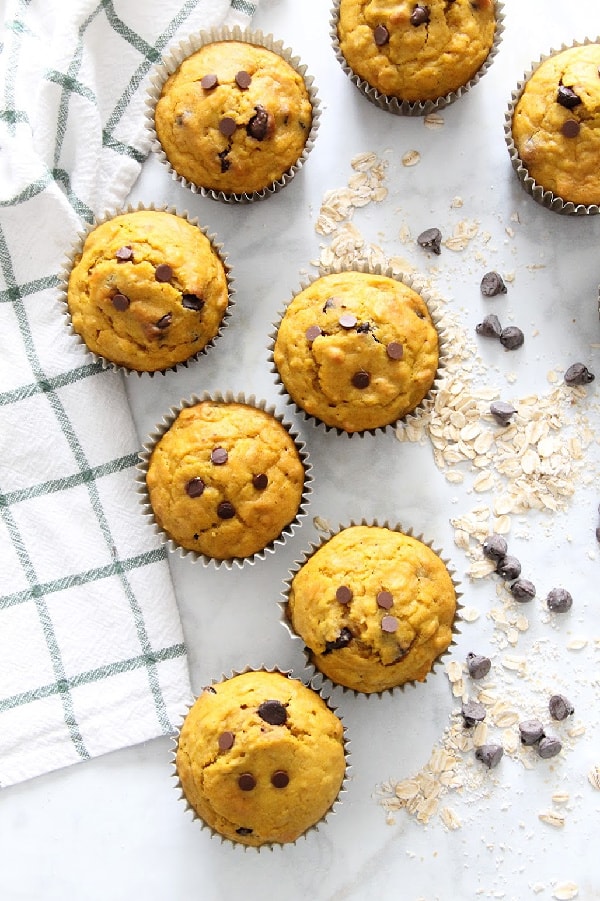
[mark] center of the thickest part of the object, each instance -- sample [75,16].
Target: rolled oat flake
[559,600]
[578,374]
[560,707]
[490,755]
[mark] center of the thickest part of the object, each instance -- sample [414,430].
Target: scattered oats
[502,524]
[407,790]
[504,718]
[561,798]
[454,476]
[480,734]
[469,614]
[457,203]
[576,731]
[576,644]
[461,539]
[411,158]
[522,623]
[434,120]
[565,891]
[509,277]
[510,741]
[538,887]
[510,231]
[322,525]
[449,818]
[552,818]
[483,482]
[514,217]
[552,376]
[514,663]
[363,161]
[481,568]
[594,778]
[454,670]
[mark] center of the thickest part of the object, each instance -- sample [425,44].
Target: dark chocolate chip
[430,239]
[361,379]
[343,639]
[492,284]
[508,567]
[489,327]
[312,332]
[559,600]
[226,740]
[120,302]
[259,124]
[512,337]
[381,35]
[343,594]
[247,782]
[567,97]
[227,126]
[225,163]
[347,320]
[490,755]
[419,15]
[273,713]
[329,303]
[219,456]
[195,487]
[531,731]
[364,328]
[395,350]
[243,79]
[578,374]
[385,599]
[244,830]
[478,665]
[560,707]
[164,322]
[208,82]
[522,590]
[225,510]
[570,128]
[389,624]
[472,713]
[124,254]
[280,779]
[502,411]
[192,302]
[494,547]
[548,746]
[260,481]
[163,273]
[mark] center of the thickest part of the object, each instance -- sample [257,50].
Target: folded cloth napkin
[91,650]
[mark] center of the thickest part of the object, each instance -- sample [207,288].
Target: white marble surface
[112,828]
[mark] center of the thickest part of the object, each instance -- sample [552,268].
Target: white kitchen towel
[91,650]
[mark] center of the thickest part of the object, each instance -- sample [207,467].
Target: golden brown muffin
[357,350]
[260,758]
[416,51]
[375,608]
[234,117]
[148,290]
[556,124]
[225,480]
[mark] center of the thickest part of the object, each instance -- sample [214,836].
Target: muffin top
[357,350]
[234,117]
[375,608]
[556,124]
[260,758]
[225,479]
[416,51]
[147,291]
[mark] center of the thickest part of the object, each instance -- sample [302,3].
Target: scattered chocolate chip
[247,782]
[559,600]
[225,510]
[395,350]
[258,125]
[560,707]
[273,713]
[570,128]
[512,337]
[430,239]
[164,322]
[494,547]
[522,590]
[389,624]
[243,79]
[531,731]
[260,481]
[226,740]
[280,779]
[244,830]
[192,302]
[343,639]
[385,599]
[490,755]
[347,320]
[219,456]
[502,411]
[478,665]
[361,379]
[312,332]
[472,713]
[578,374]
[567,97]
[489,327]
[381,35]
[548,746]
[163,273]
[208,82]
[492,284]
[508,567]
[343,594]
[419,15]
[195,487]
[227,126]
[124,254]
[120,302]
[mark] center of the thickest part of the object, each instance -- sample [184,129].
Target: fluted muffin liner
[77,249]
[172,59]
[437,319]
[541,195]
[144,461]
[396,105]
[266,846]
[314,672]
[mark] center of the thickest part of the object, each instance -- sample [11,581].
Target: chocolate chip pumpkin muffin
[554,131]
[147,290]
[375,608]
[415,52]
[226,479]
[357,350]
[235,117]
[260,758]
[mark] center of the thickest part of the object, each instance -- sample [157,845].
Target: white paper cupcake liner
[436,316]
[76,250]
[315,673]
[401,107]
[267,846]
[541,195]
[142,488]
[171,61]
